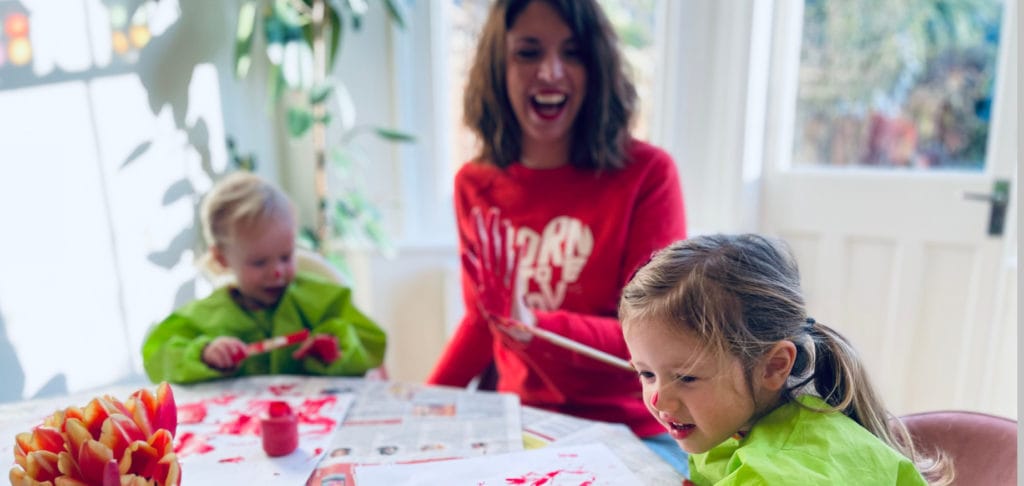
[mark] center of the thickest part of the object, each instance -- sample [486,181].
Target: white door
[897,259]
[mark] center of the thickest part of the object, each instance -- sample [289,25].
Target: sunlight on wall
[98,186]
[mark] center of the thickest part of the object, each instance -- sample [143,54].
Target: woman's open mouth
[548,106]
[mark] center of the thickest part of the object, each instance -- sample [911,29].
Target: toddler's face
[262,258]
[699,398]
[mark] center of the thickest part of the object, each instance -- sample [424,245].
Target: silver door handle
[999,199]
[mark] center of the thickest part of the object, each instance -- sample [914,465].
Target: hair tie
[810,322]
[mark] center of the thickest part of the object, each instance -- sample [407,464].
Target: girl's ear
[218,256]
[777,364]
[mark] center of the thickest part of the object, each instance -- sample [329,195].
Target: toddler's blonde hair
[239,200]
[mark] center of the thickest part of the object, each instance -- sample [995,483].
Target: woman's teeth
[549,99]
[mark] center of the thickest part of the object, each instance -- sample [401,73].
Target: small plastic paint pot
[280,430]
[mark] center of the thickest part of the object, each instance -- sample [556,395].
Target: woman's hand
[224,353]
[491,264]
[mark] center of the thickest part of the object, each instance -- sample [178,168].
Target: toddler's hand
[323,347]
[224,353]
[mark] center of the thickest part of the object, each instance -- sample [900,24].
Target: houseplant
[301,42]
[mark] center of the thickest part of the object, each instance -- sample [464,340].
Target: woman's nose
[551,68]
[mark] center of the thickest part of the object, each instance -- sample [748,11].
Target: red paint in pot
[280,429]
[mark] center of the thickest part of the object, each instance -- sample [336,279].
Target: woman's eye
[573,54]
[687,379]
[527,54]
[645,375]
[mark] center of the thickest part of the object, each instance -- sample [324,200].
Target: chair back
[982,447]
[312,262]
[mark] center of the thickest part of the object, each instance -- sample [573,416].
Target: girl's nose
[551,68]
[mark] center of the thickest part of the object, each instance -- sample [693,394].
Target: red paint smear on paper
[191,413]
[190,443]
[308,412]
[537,479]
[232,459]
[281,389]
[242,424]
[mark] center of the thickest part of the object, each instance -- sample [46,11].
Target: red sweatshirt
[582,233]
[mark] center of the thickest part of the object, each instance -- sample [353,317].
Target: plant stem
[319,129]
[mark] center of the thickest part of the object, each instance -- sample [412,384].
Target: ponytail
[840,379]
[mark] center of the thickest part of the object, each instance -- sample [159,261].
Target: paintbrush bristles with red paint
[276,342]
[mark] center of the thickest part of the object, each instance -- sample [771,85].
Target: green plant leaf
[285,11]
[299,121]
[275,85]
[395,12]
[337,28]
[357,9]
[319,94]
[393,135]
[243,38]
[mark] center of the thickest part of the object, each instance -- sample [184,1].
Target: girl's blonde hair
[238,201]
[741,295]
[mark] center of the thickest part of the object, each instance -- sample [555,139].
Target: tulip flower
[105,443]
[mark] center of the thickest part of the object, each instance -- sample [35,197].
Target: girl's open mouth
[680,431]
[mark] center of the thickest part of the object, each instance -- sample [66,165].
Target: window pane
[896,84]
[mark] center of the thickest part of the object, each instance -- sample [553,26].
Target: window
[896,84]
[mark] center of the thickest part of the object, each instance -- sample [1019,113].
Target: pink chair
[982,447]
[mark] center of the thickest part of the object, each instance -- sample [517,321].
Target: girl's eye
[687,379]
[572,53]
[258,263]
[645,375]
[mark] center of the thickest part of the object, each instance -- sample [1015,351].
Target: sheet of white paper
[590,465]
[218,440]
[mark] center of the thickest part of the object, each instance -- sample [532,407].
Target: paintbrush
[559,340]
[276,342]
[270,344]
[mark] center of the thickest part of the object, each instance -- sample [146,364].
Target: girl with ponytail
[751,387]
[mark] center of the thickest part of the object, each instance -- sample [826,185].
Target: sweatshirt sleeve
[173,352]
[470,349]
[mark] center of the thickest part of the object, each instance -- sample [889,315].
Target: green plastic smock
[796,446]
[172,351]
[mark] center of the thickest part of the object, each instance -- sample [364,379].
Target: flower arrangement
[105,443]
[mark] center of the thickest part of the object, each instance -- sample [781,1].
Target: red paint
[191,413]
[280,432]
[279,390]
[243,424]
[654,399]
[232,459]
[189,443]
[309,414]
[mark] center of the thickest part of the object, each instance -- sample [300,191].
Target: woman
[555,214]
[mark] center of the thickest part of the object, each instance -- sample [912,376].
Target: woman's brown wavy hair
[601,129]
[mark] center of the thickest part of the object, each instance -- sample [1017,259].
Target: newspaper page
[541,428]
[392,422]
